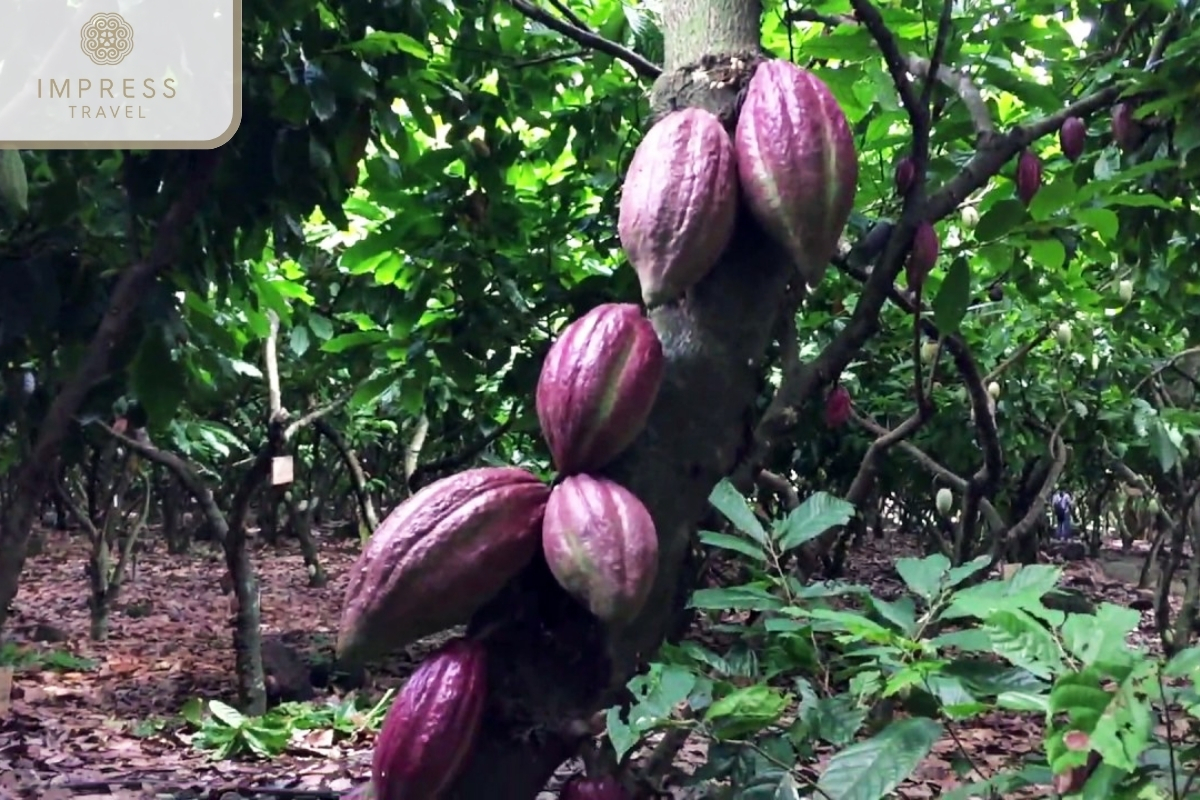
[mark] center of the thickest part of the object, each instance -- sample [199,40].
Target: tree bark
[552,664]
[35,473]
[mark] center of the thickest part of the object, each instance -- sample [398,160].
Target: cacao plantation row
[592,401]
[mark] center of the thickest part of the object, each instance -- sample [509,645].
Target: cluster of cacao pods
[451,547]
[791,160]
[598,384]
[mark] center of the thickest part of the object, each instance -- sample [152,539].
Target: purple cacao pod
[837,407]
[428,733]
[1029,176]
[598,385]
[906,174]
[1071,138]
[923,256]
[796,163]
[678,203]
[1127,132]
[605,787]
[439,556]
[601,545]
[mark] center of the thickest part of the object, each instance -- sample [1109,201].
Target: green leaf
[227,714]
[733,506]
[999,220]
[902,613]
[1100,638]
[1048,254]
[1052,197]
[835,719]
[1103,221]
[746,711]
[1025,642]
[1162,447]
[960,573]
[157,379]
[810,519]
[1022,701]
[1185,663]
[953,297]
[382,43]
[923,576]
[746,598]
[870,770]
[734,543]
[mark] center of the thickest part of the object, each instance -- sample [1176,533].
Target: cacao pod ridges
[439,556]
[1127,132]
[601,545]
[1029,176]
[1071,138]
[678,203]
[837,407]
[431,728]
[923,256]
[598,385]
[796,163]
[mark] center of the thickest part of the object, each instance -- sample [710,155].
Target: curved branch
[587,38]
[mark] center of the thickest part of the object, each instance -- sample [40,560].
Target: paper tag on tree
[282,470]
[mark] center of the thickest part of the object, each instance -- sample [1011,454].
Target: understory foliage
[831,669]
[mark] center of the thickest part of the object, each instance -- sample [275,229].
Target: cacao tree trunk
[550,663]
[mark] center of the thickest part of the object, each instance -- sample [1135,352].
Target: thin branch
[1021,352]
[873,20]
[588,39]
[571,16]
[961,85]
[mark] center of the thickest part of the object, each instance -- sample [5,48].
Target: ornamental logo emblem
[106,39]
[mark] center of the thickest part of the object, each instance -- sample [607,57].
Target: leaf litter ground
[113,730]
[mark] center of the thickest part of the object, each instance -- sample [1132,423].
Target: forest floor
[102,719]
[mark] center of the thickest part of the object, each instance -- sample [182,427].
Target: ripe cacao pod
[602,788]
[837,407]
[923,256]
[439,556]
[678,203]
[1071,138]
[1029,176]
[598,384]
[1127,132]
[796,163]
[601,545]
[432,726]
[906,174]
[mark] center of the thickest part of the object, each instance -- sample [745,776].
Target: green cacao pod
[431,728]
[14,186]
[598,384]
[439,556]
[678,203]
[601,545]
[796,163]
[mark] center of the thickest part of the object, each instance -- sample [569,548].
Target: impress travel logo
[141,74]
